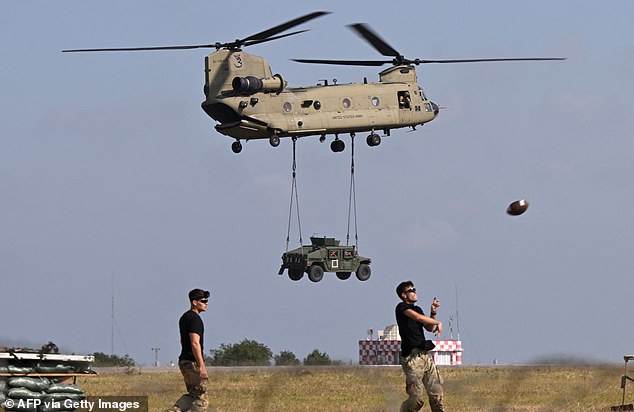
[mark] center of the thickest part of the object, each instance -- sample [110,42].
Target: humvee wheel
[315,273]
[236,146]
[343,275]
[274,141]
[295,274]
[363,272]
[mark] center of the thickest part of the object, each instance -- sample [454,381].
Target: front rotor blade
[419,61]
[199,46]
[381,45]
[285,26]
[345,62]
[252,42]
[254,39]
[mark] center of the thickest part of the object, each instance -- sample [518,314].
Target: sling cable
[294,194]
[324,254]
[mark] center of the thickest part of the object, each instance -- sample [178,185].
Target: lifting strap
[352,202]
[290,211]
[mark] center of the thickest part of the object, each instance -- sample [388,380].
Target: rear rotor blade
[419,61]
[381,45]
[400,60]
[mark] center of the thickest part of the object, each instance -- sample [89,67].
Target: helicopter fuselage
[249,102]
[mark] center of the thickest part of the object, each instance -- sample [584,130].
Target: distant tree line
[245,353]
[252,353]
[102,360]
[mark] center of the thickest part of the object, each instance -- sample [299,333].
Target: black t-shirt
[190,322]
[412,332]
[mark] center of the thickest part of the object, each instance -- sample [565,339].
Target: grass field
[500,388]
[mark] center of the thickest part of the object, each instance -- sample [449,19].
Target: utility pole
[156,356]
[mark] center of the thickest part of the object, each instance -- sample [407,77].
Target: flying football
[517,208]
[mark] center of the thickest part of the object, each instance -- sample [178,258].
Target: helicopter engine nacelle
[251,84]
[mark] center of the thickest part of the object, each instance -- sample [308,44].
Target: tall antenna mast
[112,316]
[457,321]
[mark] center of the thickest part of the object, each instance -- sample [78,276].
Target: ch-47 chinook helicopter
[250,102]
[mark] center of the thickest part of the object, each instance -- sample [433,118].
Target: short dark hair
[402,286]
[197,294]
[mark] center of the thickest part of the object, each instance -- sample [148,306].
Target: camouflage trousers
[421,376]
[195,399]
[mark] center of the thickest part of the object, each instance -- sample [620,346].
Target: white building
[386,349]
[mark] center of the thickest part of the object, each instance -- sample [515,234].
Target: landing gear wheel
[343,275]
[295,274]
[274,141]
[363,272]
[236,146]
[337,146]
[315,273]
[373,140]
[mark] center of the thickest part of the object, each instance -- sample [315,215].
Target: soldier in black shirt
[421,374]
[190,360]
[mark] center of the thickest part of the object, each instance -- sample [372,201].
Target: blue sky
[114,181]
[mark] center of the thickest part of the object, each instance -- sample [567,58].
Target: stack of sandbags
[57,396]
[54,369]
[22,391]
[51,396]
[4,387]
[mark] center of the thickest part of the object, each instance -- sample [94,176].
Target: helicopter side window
[345,103]
[307,103]
[404,99]
[375,101]
[287,107]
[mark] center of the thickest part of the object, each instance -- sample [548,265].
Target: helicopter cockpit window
[345,103]
[375,101]
[287,107]
[404,99]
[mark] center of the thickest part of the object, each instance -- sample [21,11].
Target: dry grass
[522,388]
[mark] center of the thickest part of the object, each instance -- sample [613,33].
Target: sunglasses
[203,300]
[410,290]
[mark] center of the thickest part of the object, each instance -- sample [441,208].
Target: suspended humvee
[325,255]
